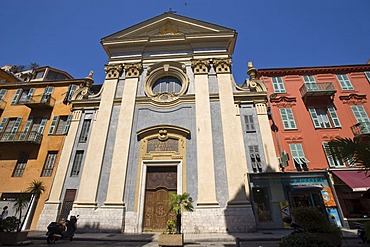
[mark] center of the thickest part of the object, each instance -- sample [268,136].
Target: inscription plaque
[155,145]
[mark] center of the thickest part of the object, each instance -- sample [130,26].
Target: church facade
[169,118]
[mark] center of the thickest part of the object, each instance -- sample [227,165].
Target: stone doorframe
[142,182]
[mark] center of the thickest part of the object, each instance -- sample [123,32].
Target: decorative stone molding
[133,70]
[252,84]
[353,99]
[76,115]
[165,97]
[200,66]
[222,66]
[159,70]
[113,71]
[162,135]
[84,90]
[283,101]
[168,29]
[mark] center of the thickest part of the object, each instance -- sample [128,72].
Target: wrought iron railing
[26,137]
[362,128]
[324,88]
[39,100]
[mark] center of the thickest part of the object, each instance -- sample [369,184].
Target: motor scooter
[61,230]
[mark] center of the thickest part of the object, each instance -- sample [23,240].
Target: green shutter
[314,117]
[68,123]
[2,94]
[42,126]
[53,125]
[334,116]
[16,96]
[291,118]
[3,123]
[26,128]
[16,125]
[30,94]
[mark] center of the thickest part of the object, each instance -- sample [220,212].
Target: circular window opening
[167,84]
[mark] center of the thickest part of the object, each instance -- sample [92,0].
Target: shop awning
[357,180]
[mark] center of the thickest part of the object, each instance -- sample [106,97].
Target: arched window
[167,84]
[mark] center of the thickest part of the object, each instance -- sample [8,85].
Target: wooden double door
[160,182]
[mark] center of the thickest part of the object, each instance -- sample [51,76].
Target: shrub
[10,224]
[303,240]
[312,220]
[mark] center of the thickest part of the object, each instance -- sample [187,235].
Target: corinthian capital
[222,66]
[200,66]
[113,71]
[133,70]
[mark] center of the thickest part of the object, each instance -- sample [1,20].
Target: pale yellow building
[169,118]
[34,120]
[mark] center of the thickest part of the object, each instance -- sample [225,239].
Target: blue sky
[271,33]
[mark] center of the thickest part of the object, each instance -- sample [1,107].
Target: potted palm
[13,225]
[173,236]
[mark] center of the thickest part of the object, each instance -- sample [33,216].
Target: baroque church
[168,118]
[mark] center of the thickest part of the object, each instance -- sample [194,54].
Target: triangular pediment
[167,24]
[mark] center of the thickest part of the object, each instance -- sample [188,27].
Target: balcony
[32,137]
[39,101]
[360,129]
[317,89]
[2,105]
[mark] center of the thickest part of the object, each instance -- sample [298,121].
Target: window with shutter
[2,94]
[344,82]
[255,158]
[16,96]
[324,118]
[298,156]
[333,156]
[249,123]
[85,130]
[288,118]
[310,82]
[21,165]
[278,84]
[49,164]
[77,162]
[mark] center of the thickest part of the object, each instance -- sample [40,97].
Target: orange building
[310,106]
[34,119]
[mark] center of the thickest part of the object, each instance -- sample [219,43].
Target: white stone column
[90,177]
[267,141]
[205,161]
[236,166]
[52,205]
[117,176]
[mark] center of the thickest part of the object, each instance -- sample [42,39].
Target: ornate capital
[113,71]
[200,66]
[133,70]
[222,66]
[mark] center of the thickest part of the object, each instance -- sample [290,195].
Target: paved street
[95,243]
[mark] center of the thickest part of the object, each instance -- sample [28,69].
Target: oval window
[167,84]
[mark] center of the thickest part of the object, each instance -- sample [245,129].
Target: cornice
[40,83]
[353,98]
[313,70]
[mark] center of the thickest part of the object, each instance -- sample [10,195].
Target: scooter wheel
[51,240]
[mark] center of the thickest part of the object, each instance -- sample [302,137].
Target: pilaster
[206,167]
[117,177]
[267,141]
[236,167]
[95,152]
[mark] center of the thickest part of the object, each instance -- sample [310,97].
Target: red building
[310,106]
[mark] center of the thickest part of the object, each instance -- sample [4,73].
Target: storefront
[352,189]
[273,195]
